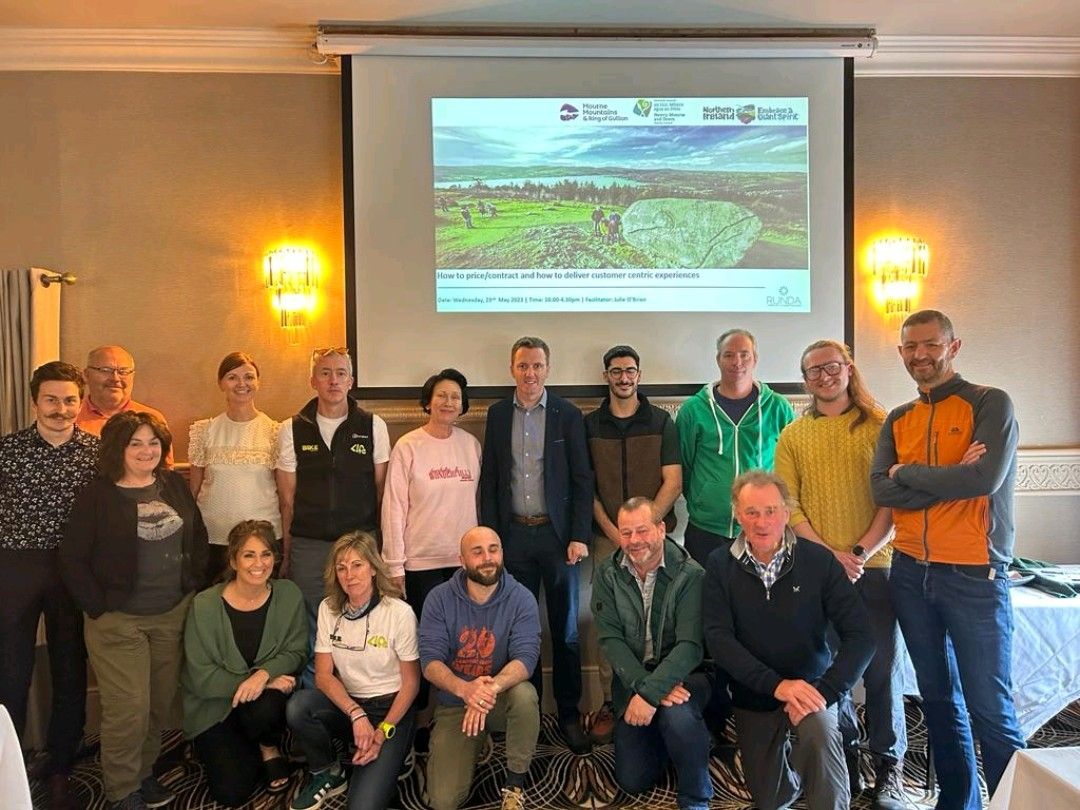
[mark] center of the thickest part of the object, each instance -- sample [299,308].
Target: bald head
[110,377]
[482,556]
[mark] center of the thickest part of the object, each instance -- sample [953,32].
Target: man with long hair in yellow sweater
[824,457]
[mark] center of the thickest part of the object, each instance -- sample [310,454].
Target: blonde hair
[861,398]
[364,545]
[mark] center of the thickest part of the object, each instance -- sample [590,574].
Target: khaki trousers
[137,660]
[453,755]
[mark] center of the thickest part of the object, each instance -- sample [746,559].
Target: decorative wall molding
[266,50]
[1048,470]
[1021,57]
[1040,470]
[228,50]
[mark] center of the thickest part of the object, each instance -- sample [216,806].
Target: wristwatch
[859,551]
[388,729]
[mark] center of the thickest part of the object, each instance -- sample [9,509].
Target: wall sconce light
[899,264]
[292,274]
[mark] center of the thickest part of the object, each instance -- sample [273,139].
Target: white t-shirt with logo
[286,460]
[368,651]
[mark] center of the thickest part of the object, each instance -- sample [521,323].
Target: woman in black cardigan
[133,554]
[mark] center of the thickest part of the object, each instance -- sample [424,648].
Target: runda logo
[783,298]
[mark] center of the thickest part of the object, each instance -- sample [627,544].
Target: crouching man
[768,603]
[479,642]
[647,606]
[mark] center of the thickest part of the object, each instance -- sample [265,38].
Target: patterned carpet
[559,779]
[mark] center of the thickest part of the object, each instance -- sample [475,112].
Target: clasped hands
[799,698]
[479,696]
[254,684]
[639,712]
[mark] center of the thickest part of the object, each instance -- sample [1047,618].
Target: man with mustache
[946,465]
[479,642]
[42,469]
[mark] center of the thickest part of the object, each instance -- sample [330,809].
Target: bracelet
[355,713]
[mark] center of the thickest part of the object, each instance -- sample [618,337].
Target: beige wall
[988,172]
[162,193]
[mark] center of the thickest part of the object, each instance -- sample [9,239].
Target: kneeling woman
[244,642]
[367,673]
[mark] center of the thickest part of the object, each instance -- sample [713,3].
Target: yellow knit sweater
[827,468]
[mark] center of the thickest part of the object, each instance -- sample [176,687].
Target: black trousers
[229,751]
[30,585]
[418,584]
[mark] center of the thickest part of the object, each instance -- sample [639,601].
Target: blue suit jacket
[568,479]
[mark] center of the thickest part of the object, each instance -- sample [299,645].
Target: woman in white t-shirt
[367,672]
[232,460]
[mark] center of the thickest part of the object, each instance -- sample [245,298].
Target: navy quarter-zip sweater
[762,637]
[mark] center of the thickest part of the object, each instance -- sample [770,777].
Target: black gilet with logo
[335,486]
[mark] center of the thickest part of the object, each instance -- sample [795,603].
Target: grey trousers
[778,760]
[307,562]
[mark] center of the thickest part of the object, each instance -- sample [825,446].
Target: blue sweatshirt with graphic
[474,640]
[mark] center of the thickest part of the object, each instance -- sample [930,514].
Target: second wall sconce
[898,266]
[292,274]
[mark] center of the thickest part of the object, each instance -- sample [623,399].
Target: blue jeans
[677,733]
[316,721]
[883,680]
[958,627]
[534,555]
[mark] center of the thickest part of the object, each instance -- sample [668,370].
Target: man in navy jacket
[536,492]
[768,602]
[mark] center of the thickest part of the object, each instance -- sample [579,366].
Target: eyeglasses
[320,353]
[335,639]
[629,373]
[831,369]
[108,371]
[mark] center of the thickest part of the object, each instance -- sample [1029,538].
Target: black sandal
[278,774]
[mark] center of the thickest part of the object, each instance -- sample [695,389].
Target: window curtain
[29,336]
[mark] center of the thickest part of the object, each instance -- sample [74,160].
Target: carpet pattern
[558,778]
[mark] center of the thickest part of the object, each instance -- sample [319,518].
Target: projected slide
[621,204]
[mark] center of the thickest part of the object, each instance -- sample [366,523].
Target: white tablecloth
[14,789]
[1045,659]
[1040,779]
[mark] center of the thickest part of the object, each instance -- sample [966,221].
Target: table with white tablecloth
[1040,779]
[1045,657]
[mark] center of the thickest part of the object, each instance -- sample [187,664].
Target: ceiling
[891,18]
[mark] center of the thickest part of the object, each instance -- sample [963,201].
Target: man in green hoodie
[727,428]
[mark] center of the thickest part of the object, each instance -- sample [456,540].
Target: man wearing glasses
[635,453]
[946,465]
[110,377]
[824,457]
[332,459]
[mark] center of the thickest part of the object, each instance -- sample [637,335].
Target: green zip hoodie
[715,451]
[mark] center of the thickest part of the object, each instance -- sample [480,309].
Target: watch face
[388,729]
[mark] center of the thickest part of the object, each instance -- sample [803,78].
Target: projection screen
[593,202]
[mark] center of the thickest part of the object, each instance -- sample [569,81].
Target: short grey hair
[760,478]
[737,331]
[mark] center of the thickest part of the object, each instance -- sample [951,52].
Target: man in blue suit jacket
[536,492]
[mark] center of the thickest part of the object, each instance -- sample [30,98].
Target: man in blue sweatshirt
[479,643]
[768,602]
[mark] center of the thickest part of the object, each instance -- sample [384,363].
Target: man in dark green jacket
[647,606]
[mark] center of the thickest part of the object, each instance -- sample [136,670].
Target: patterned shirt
[38,483]
[770,572]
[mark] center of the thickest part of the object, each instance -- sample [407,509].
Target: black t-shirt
[247,628]
[735,408]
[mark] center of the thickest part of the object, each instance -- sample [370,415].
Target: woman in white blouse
[232,460]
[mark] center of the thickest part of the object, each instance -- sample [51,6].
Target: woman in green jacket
[245,640]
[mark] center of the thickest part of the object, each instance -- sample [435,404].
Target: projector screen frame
[412,393]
